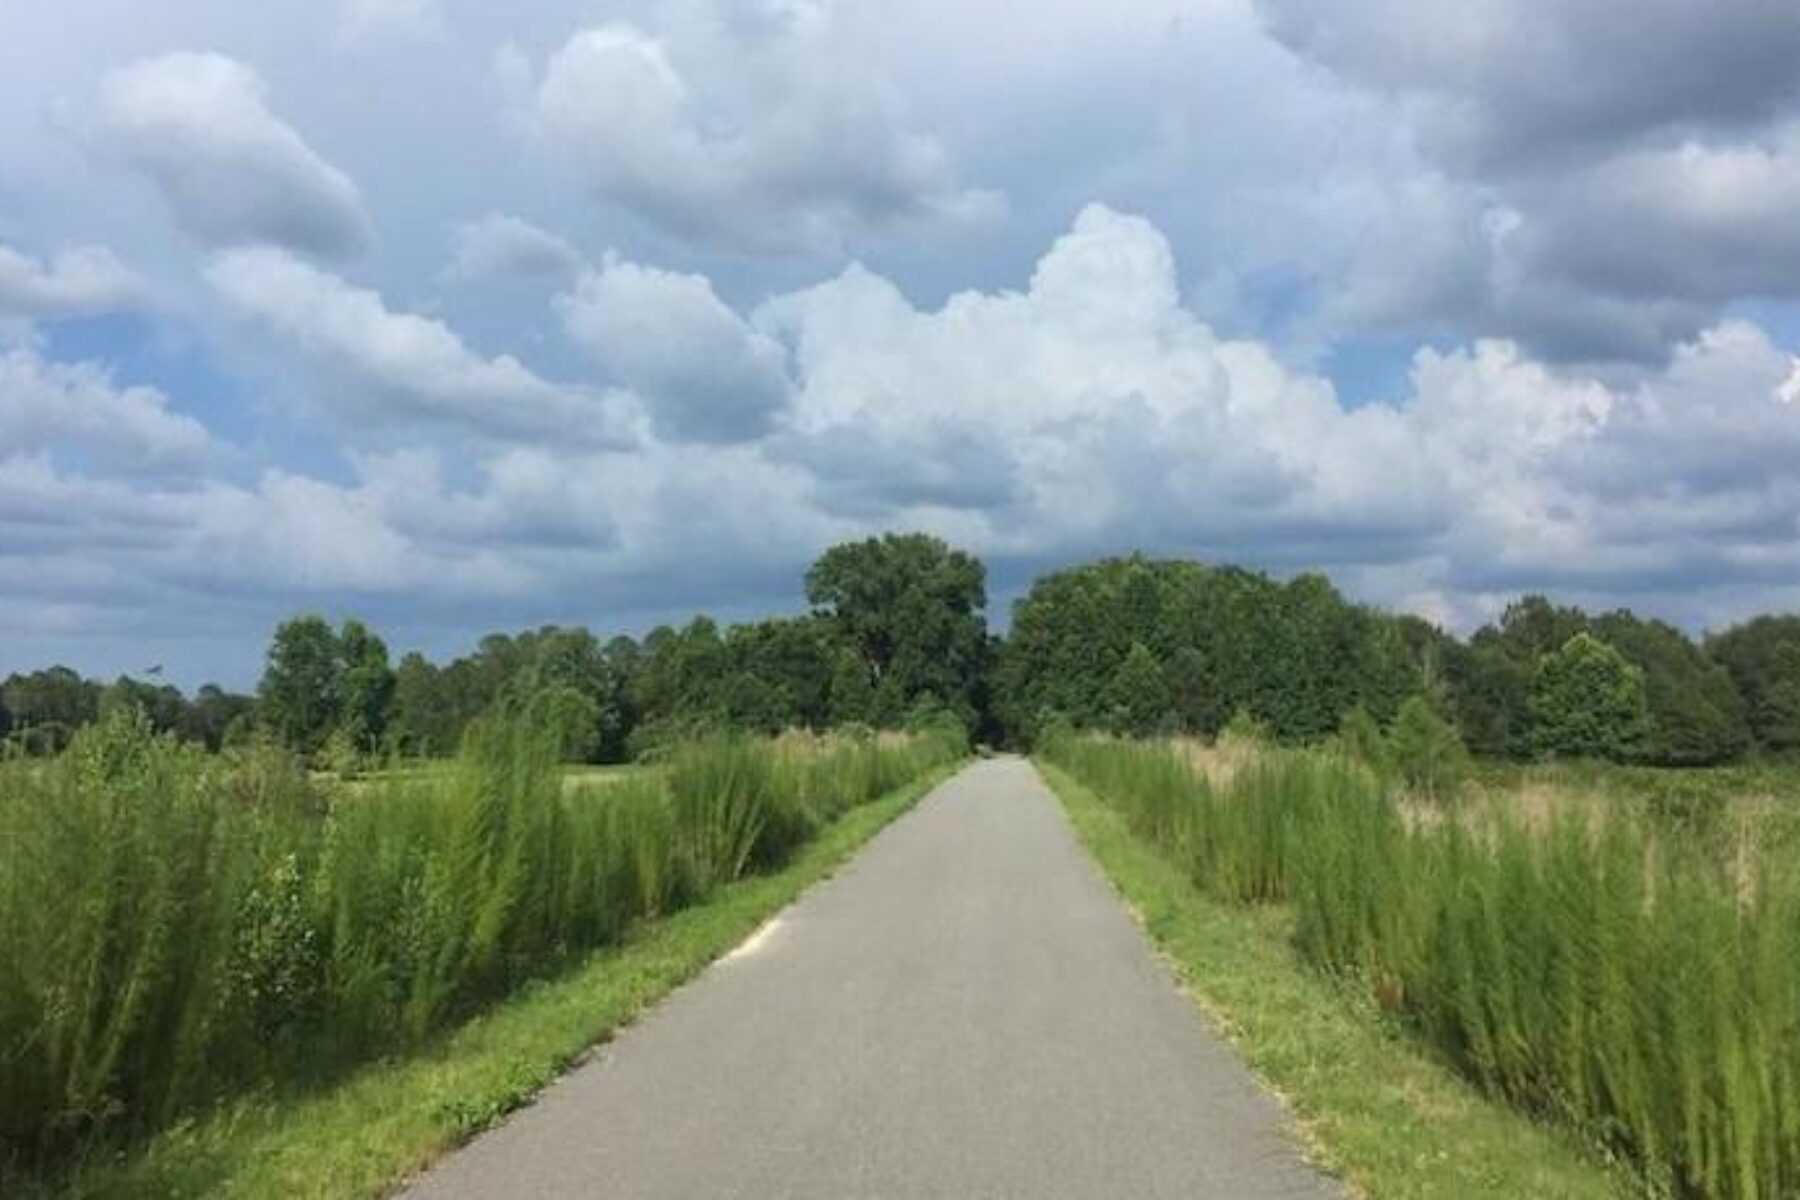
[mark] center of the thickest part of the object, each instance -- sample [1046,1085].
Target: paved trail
[964,1011]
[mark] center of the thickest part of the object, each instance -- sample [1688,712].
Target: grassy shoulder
[366,1134]
[1375,1110]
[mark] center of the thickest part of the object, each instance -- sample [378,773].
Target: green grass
[1619,976]
[1373,1108]
[180,929]
[387,1121]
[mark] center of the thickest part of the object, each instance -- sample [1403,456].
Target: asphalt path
[964,1010]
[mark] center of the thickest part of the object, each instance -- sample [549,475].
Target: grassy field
[182,929]
[1600,967]
[1375,1111]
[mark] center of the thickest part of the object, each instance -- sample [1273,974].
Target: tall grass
[1608,974]
[177,927]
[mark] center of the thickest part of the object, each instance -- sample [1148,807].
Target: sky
[461,317]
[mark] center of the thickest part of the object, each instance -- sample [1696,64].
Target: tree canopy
[897,632]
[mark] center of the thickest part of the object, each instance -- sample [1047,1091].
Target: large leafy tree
[1587,700]
[46,707]
[301,694]
[366,691]
[162,704]
[216,714]
[913,609]
[1138,695]
[424,720]
[1763,659]
[1296,656]
[1696,716]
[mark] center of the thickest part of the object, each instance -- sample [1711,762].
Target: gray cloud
[46,406]
[704,374]
[77,282]
[199,126]
[1517,81]
[499,244]
[414,362]
[753,125]
[1600,178]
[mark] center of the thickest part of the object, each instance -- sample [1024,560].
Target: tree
[1297,654]
[1138,695]
[162,704]
[301,695]
[572,714]
[47,707]
[1490,695]
[214,712]
[1425,750]
[1762,657]
[423,720]
[912,608]
[852,691]
[366,689]
[1588,701]
[1190,691]
[1696,716]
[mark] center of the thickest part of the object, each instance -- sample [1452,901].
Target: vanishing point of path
[965,1010]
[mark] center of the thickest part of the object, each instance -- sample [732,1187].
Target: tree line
[896,632]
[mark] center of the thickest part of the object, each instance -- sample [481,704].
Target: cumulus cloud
[1088,411]
[78,408]
[753,125]
[414,362]
[1106,408]
[76,282]
[1531,79]
[1599,179]
[198,125]
[499,245]
[703,372]
[1107,414]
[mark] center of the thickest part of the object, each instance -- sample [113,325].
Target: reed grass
[1609,975]
[177,929]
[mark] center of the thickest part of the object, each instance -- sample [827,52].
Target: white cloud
[1642,159]
[47,406]
[704,374]
[412,361]
[755,125]
[1106,415]
[1789,392]
[76,282]
[499,244]
[199,126]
